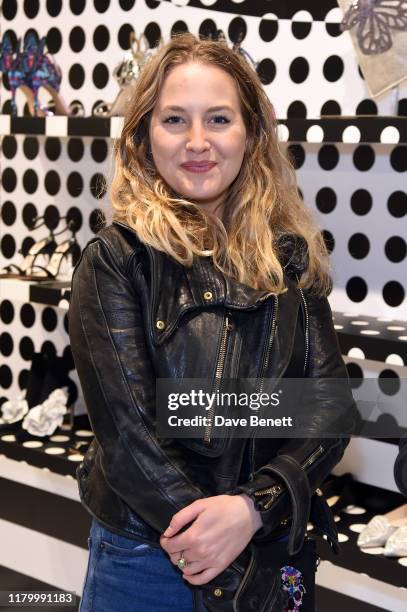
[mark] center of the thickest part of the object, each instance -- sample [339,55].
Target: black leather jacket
[133,482]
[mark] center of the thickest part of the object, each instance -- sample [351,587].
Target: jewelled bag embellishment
[292,583]
[374,20]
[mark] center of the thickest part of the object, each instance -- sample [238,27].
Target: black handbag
[263,578]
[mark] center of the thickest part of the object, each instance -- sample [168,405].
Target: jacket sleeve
[291,478]
[118,383]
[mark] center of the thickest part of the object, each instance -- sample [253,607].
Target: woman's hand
[222,527]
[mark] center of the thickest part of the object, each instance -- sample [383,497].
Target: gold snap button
[160,324]
[208,295]
[218,592]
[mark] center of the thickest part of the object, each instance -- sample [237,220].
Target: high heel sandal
[126,74]
[45,246]
[62,250]
[32,69]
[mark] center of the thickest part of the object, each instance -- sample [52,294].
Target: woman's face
[196,120]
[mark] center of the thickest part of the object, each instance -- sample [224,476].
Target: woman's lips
[198,167]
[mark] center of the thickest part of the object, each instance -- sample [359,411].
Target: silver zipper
[275,490]
[306,330]
[218,373]
[264,367]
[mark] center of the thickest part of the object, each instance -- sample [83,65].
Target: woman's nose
[197,138]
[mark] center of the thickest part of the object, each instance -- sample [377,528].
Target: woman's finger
[203,577]
[183,517]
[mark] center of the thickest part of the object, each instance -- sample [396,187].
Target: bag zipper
[227,326]
[264,367]
[305,310]
[275,490]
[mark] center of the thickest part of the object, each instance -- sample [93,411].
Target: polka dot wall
[308,68]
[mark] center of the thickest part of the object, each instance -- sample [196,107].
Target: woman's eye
[222,117]
[172,117]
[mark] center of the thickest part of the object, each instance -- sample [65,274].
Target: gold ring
[182,562]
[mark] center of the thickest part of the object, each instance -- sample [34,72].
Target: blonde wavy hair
[262,206]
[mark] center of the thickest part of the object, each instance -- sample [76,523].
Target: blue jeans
[126,575]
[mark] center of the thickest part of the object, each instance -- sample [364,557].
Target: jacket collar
[177,289]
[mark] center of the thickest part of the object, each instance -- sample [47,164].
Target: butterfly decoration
[374,20]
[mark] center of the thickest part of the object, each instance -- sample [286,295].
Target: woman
[212,268]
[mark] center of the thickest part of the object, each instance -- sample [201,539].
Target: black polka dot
[51,216]
[266,69]
[52,148]
[364,157]
[296,154]
[326,200]
[331,107]
[179,27]
[6,377]
[66,323]
[361,202]
[402,107]
[9,146]
[98,185]
[268,29]
[358,245]
[153,34]
[8,245]
[299,70]
[126,5]
[30,181]
[29,214]
[356,289]
[99,149]
[297,110]
[366,107]
[123,36]
[31,8]
[54,7]
[26,348]
[354,370]
[398,159]
[77,6]
[389,383]
[100,75]
[9,179]
[77,39]
[237,30]
[207,29]
[101,5]
[328,157]
[27,315]
[76,76]
[75,149]
[333,68]
[333,28]
[6,344]
[301,29]
[52,182]
[6,311]
[27,244]
[9,9]
[97,220]
[397,204]
[395,249]
[48,349]
[152,4]
[49,319]
[54,40]
[74,184]
[329,240]
[101,38]
[31,147]
[393,293]
[8,213]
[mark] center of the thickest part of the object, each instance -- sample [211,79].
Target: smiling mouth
[198,166]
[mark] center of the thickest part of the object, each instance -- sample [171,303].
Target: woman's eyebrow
[211,109]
